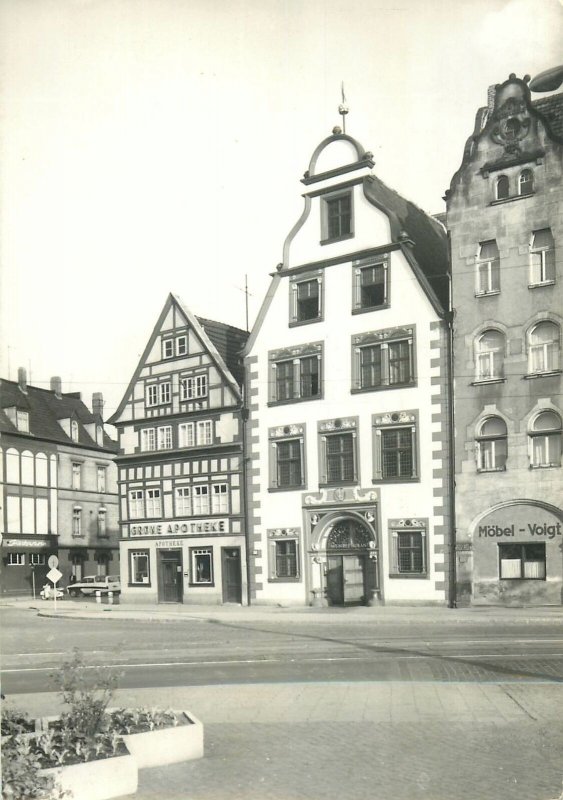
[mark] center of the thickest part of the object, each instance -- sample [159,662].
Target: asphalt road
[202,652]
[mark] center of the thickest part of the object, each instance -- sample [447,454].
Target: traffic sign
[53,562]
[54,575]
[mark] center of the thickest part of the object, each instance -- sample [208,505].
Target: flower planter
[97,780]
[183,742]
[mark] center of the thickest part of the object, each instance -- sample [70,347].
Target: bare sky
[151,146]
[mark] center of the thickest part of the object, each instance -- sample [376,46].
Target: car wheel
[74,592]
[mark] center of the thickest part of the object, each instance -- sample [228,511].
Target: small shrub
[20,772]
[15,722]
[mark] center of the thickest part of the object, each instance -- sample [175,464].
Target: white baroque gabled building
[347,388]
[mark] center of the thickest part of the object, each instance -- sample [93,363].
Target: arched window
[12,465]
[542,257]
[526,182]
[543,348]
[492,445]
[545,440]
[490,355]
[502,187]
[488,268]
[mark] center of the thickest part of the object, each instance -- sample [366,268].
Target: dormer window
[74,430]
[99,435]
[336,217]
[502,187]
[22,421]
[526,182]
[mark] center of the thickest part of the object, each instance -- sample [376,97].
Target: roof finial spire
[343,109]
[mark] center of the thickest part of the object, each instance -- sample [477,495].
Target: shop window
[522,561]
[492,448]
[202,565]
[542,258]
[545,440]
[489,358]
[201,499]
[383,359]
[306,300]
[102,523]
[77,476]
[153,503]
[183,501]
[408,553]
[526,182]
[395,447]
[219,498]
[16,560]
[336,217]
[139,567]
[298,377]
[77,521]
[370,290]
[37,559]
[194,387]
[502,187]
[136,504]
[338,451]
[101,479]
[487,269]
[543,348]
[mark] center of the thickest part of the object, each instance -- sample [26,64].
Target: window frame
[15,560]
[183,492]
[408,528]
[395,421]
[221,491]
[523,560]
[101,479]
[544,348]
[153,502]
[77,532]
[504,195]
[167,344]
[158,393]
[486,444]
[493,270]
[384,341]
[181,351]
[327,202]
[132,572]
[495,357]
[330,430]
[136,503]
[22,420]
[201,507]
[548,435]
[164,437]
[276,536]
[280,436]
[76,476]
[522,180]
[37,560]
[294,283]
[194,552]
[147,440]
[547,264]
[296,356]
[194,387]
[102,529]
[358,268]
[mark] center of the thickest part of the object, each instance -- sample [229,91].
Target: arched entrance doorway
[351,571]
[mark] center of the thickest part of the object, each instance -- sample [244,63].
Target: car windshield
[87,580]
[113,578]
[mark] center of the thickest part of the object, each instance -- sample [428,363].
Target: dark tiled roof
[551,108]
[430,244]
[229,342]
[45,410]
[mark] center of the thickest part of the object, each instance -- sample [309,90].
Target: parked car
[48,592]
[95,583]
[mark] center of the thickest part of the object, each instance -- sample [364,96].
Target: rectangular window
[286,558]
[395,447]
[202,565]
[522,561]
[76,476]
[377,365]
[167,348]
[289,465]
[546,450]
[148,440]
[488,268]
[101,479]
[306,299]
[181,345]
[201,500]
[204,430]
[186,434]
[542,258]
[219,498]
[193,388]
[409,555]
[340,458]
[164,392]
[77,522]
[102,526]
[296,379]
[284,380]
[37,559]
[183,501]
[370,286]
[154,508]
[139,566]
[337,217]
[16,559]
[136,504]
[164,437]
[152,394]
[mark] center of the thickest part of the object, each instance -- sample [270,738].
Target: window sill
[366,309]
[337,239]
[361,389]
[494,469]
[408,575]
[201,585]
[294,400]
[296,323]
[333,484]
[487,381]
[487,294]
[299,488]
[139,585]
[511,199]
[522,579]
[414,479]
[540,284]
[297,579]
[544,466]
[548,374]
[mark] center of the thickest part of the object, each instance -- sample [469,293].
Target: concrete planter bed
[97,780]
[183,742]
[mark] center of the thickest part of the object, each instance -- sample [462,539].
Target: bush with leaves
[21,778]
[139,720]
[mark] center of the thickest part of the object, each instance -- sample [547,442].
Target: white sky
[151,146]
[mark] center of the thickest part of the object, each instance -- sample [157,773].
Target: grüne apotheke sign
[177,526]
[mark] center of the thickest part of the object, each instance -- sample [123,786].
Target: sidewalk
[379,615]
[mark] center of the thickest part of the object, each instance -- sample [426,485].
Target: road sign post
[54,575]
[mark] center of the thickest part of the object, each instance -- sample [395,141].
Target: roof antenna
[343,109]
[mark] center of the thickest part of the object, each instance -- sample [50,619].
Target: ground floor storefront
[77,562]
[24,564]
[512,554]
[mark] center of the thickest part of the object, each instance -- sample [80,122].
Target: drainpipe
[244,413]
[452,581]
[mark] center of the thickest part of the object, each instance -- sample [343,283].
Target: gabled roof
[223,342]
[427,236]
[45,410]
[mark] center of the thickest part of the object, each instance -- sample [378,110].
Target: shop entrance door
[345,579]
[232,582]
[170,580]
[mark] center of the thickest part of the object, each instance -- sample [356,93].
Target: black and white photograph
[281,399]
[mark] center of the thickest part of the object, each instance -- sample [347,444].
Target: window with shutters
[287,457]
[487,275]
[408,549]
[296,374]
[338,444]
[306,299]
[383,359]
[370,288]
[395,449]
[283,554]
[542,258]
[337,220]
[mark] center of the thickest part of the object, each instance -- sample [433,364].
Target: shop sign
[169,543]
[25,543]
[517,522]
[174,527]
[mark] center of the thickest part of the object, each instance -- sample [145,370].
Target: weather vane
[343,109]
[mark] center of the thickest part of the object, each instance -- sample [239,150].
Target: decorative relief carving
[286,430]
[340,423]
[409,522]
[384,335]
[274,533]
[394,417]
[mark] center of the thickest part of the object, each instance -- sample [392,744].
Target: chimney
[22,379]
[98,404]
[56,386]
[491,95]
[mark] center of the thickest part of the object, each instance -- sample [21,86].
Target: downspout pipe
[452,577]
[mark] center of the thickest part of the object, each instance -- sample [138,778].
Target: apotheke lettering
[173,528]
